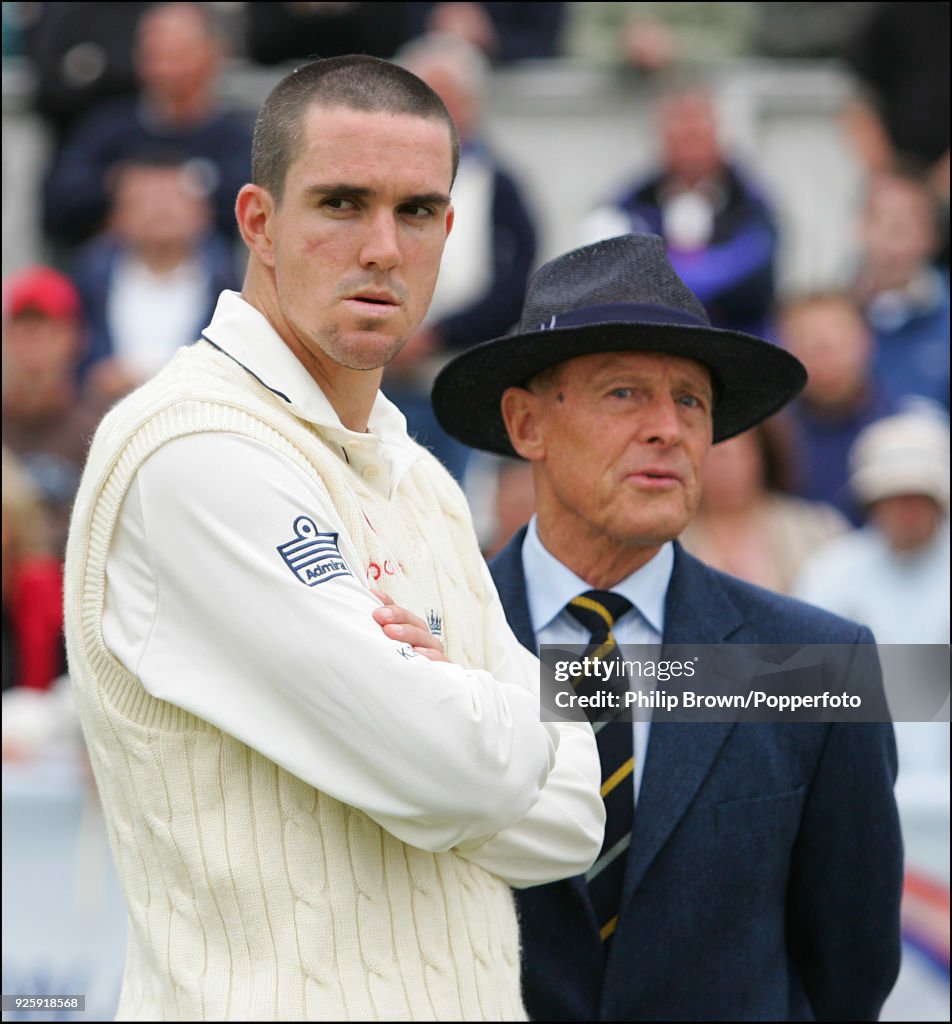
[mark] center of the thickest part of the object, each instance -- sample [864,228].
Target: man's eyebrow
[429,199]
[339,188]
[342,188]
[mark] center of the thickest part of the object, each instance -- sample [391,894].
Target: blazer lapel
[697,611]
[506,570]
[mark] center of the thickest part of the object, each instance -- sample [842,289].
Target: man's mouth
[655,477]
[375,299]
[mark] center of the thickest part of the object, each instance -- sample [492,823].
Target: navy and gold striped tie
[598,611]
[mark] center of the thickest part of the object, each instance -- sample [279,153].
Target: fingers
[395,615]
[402,625]
[415,636]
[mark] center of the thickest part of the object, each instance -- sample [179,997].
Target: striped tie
[598,611]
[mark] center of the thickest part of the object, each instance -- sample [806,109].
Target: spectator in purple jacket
[718,227]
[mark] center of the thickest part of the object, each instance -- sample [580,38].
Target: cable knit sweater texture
[252,895]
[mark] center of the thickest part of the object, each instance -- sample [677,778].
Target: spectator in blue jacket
[826,331]
[177,58]
[717,225]
[150,283]
[904,295]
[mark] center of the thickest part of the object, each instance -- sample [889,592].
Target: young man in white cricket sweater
[313,817]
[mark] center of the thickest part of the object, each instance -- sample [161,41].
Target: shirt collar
[550,585]
[244,333]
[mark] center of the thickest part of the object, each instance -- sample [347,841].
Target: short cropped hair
[356,82]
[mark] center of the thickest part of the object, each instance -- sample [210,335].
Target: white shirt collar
[550,585]
[243,332]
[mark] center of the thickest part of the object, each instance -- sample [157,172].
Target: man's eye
[339,203]
[691,401]
[621,392]
[416,211]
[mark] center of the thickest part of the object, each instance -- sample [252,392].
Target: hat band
[622,312]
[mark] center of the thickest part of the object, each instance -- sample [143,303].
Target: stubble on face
[331,338]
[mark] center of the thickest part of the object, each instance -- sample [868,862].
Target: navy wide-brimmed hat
[618,295]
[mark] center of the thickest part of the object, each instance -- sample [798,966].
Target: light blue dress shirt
[550,586]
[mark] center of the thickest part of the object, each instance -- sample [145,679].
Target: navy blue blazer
[765,868]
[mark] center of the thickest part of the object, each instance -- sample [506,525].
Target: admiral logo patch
[312,556]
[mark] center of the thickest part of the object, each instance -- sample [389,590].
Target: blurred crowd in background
[842,499]
[139,240]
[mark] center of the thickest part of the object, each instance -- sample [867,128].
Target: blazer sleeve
[846,872]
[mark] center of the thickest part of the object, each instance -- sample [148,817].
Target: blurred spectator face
[649,44]
[689,135]
[908,521]
[39,348]
[832,341]
[733,474]
[449,85]
[469,21]
[899,230]
[42,336]
[158,208]
[899,469]
[456,70]
[176,55]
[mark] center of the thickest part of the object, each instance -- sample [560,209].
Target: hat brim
[752,378]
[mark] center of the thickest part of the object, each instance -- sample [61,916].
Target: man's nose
[381,244]
[661,421]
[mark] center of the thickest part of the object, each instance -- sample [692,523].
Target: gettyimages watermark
[747,683]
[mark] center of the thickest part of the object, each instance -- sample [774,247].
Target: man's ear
[450,218]
[254,210]
[521,412]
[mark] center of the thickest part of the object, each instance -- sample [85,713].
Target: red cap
[43,290]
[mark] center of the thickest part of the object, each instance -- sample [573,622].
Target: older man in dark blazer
[751,871]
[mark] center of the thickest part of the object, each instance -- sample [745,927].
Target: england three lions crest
[312,556]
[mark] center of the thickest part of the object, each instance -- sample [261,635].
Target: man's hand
[399,624]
